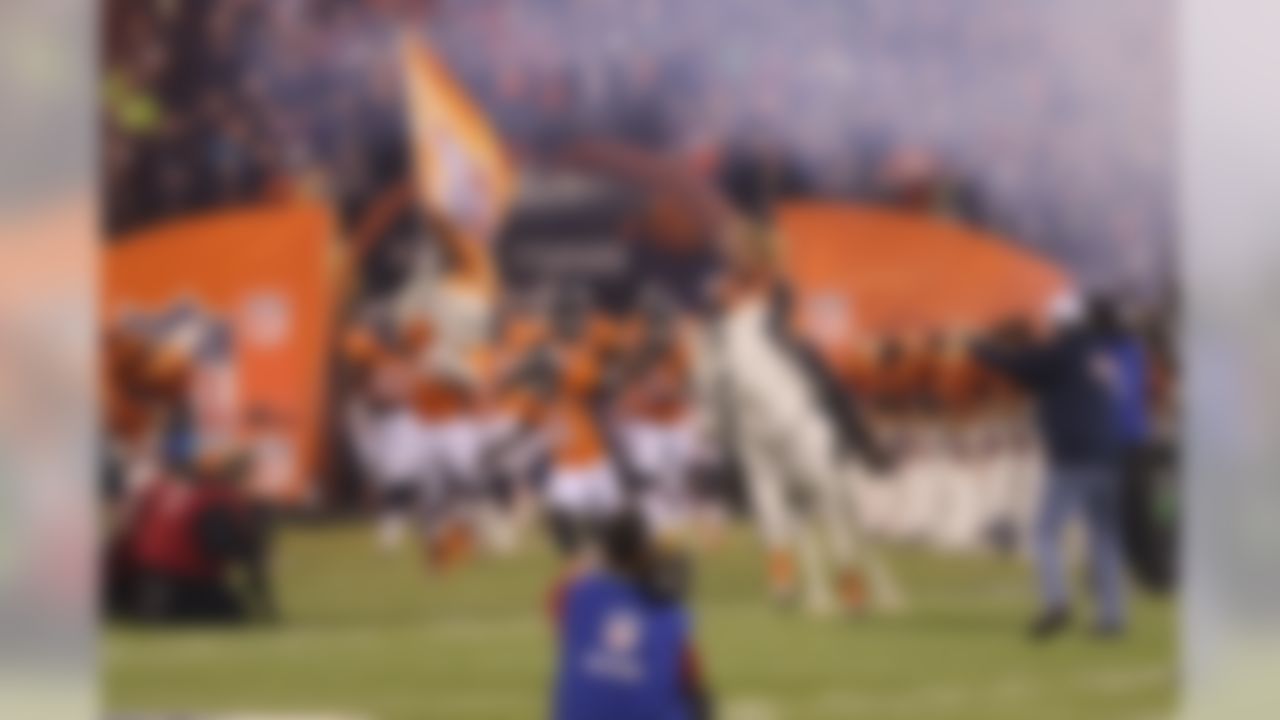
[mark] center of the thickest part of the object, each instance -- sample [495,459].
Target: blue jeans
[1093,489]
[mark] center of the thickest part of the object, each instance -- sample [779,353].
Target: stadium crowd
[217,103]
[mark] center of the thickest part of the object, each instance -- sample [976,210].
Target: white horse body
[789,447]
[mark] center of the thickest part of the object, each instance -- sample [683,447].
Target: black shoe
[1049,624]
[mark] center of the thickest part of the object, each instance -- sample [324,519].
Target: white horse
[802,491]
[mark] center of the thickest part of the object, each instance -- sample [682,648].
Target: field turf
[374,637]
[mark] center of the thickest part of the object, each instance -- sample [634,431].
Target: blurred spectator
[1147,529]
[1130,382]
[183,547]
[913,180]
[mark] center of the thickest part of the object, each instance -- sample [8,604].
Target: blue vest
[1130,395]
[620,654]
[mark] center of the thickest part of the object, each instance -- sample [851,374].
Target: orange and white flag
[461,166]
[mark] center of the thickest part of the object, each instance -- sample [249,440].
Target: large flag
[462,169]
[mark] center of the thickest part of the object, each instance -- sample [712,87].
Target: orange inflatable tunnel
[269,274]
[874,271]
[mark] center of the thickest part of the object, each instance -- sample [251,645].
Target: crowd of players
[565,401]
[578,404]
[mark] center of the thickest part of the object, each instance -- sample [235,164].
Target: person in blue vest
[626,638]
[1146,503]
[1129,383]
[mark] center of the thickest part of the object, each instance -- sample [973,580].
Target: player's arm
[534,374]
[632,363]
[523,390]
[712,210]
[469,257]
[379,216]
[1028,367]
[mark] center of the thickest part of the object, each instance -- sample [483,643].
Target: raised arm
[712,209]
[1029,366]
[470,258]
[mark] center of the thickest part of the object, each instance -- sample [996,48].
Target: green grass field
[373,636]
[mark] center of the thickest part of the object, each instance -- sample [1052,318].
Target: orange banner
[269,274]
[866,270]
[462,168]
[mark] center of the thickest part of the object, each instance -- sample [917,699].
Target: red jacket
[166,535]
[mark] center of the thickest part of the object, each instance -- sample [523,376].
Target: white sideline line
[750,709]
[231,716]
[930,698]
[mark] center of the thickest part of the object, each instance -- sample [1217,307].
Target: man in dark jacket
[1068,374]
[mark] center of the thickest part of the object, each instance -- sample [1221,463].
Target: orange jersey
[956,384]
[660,393]
[604,336]
[521,337]
[128,418]
[365,352]
[899,382]
[858,370]
[521,405]
[436,399]
[494,363]
[439,397]
[140,383]
[576,435]
[127,415]
[388,371]
[1002,393]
